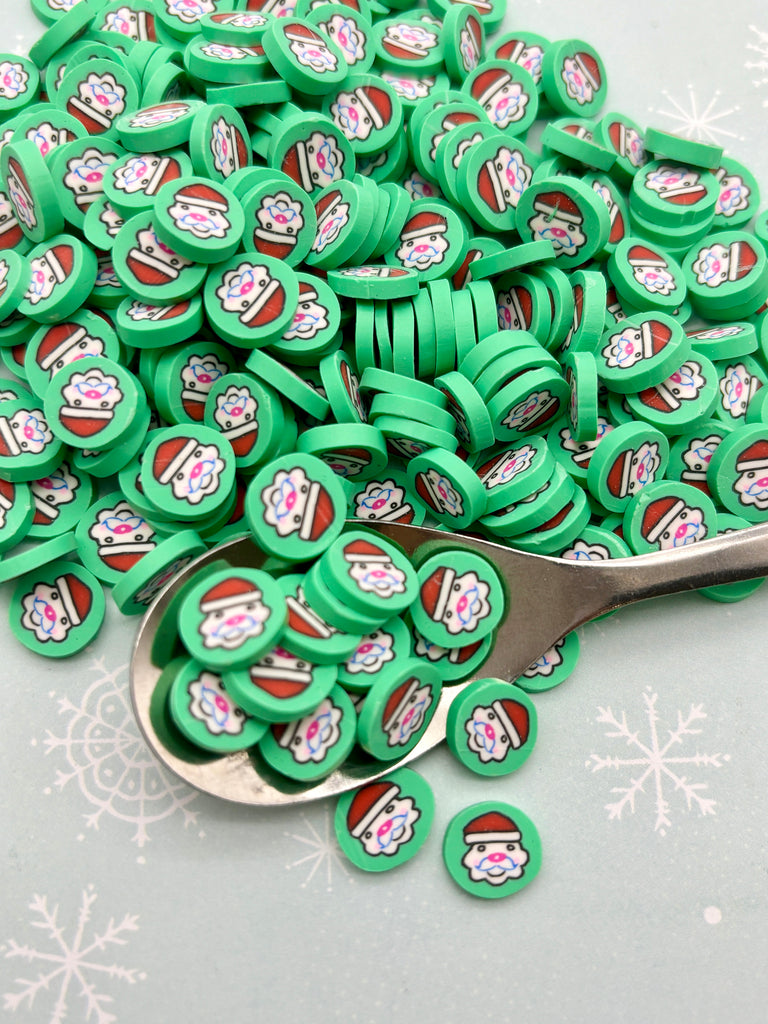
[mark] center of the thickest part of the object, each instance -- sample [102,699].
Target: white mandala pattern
[654,762]
[323,857]
[70,967]
[106,755]
[694,120]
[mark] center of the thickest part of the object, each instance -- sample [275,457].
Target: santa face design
[194,474]
[507,105]
[686,527]
[210,704]
[122,535]
[351,116]
[564,233]
[438,491]
[290,503]
[92,390]
[491,731]
[229,626]
[687,382]
[311,52]
[110,220]
[408,41]
[638,468]
[582,551]
[513,309]
[312,737]
[320,162]
[669,182]
[734,195]
[407,87]
[221,51]
[346,33]
[161,113]
[410,714]
[654,278]
[465,605]
[46,137]
[331,223]
[279,219]
[46,275]
[696,459]
[533,409]
[13,80]
[390,826]
[199,374]
[26,432]
[19,195]
[577,85]
[624,349]
[495,861]
[56,489]
[373,652]
[422,247]
[152,587]
[513,175]
[137,174]
[509,465]
[52,611]
[751,484]
[384,500]
[310,318]
[200,220]
[373,571]
[100,99]
[737,387]
[235,410]
[85,175]
[224,146]
[546,663]
[247,290]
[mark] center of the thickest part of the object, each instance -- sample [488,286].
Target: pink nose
[496,858]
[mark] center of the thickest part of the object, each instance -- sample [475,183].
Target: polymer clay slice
[144,581]
[667,515]
[448,487]
[248,413]
[160,126]
[552,667]
[492,849]
[568,214]
[491,177]
[640,351]
[727,275]
[369,574]
[63,273]
[398,709]
[685,396]
[57,610]
[461,598]
[670,193]
[431,241]
[280,219]
[218,141]
[30,186]
[405,42]
[738,472]
[112,537]
[200,220]
[350,29]
[59,499]
[29,449]
[312,150]
[507,94]
[386,498]
[376,655]
[18,510]
[367,111]
[93,403]
[281,686]
[304,55]
[625,137]
[251,298]
[492,727]
[204,710]
[187,471]
[231,618]
[150,269]
[295,506]
[646,277]
[97,94]
[385,823]
[629,458]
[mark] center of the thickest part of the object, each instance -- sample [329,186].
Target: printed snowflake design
[655,762]
[105,753]
[323,856]
[696,122]
[70,967]
[761,49]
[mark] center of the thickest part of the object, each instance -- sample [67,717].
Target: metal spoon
[547,597]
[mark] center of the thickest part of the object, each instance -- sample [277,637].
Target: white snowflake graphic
[69,967]
[760,48]
[114,769]
[324,855]
[697,121]
[655,762]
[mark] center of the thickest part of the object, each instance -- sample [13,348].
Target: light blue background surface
[172,906]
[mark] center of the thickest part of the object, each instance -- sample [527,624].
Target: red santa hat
[426,222]
[491,827]
[147,311]
[75,595]
[642,256]
[754,459]
[617,133]
[170,457]
[367,805]
[287,679]
[613,304]
[489,84]
[150,263]
[15,169]
[57,341]
[85,421]
[589,68]
[376,103]
[514,720]
[203,196]
[9,445]
[742,259]
[658,515]
[60,259]
[560,205]
[436,590]
[660,397]
[305,620]
[491,187]
[619,473]
[365,551]
[263,305]
[511,50]
[229,593]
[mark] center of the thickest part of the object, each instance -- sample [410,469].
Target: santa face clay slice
[398,708]
[57,610]
[492,850]
[385,823]
[369,574]
[460,598]
[668,515]
[311,747]
[188,472]
[281,686]
[295,506]
[199,219]
[232,617]
[250,299]
[738,473]
[491,727]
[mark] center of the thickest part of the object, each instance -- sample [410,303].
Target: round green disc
[667,515]
[491,177]
[289,384]
[149,269]
[646,277]
[304,55]
[207,713]
[506,92]
[367,111]
[199,219]
[218,141]
[739,197]
[448,487]
[727,274]
[668,193]
[385,823]
[533,510]
[473,425]
[574,139]
[63,273]
[311,747]
[492,727]
[738,472]
[432,241]
[160,126]
[345,212]
[567,213]
[233,26]
[492,849]
[374,282]
[369,574]
[27,556]
[57,610]
[687,151]
[144,581]
[509,474]
[19,84]
[251,299]
[524,48]
[409,44]
[461,598]
[281,686]
[350,29]
[398,708]
[725,341]
[453,146]
[93,403]
[147,326]
[97,94]
[248,413]
[553,667]
[232,617]
[31,188]
[687,395]
[132,182]
[574,77]
[280,219]
[187,471]
[112,537]
[527,403]
[229,64]
[295,506]
[629,458]
[386,498]
[641,351]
